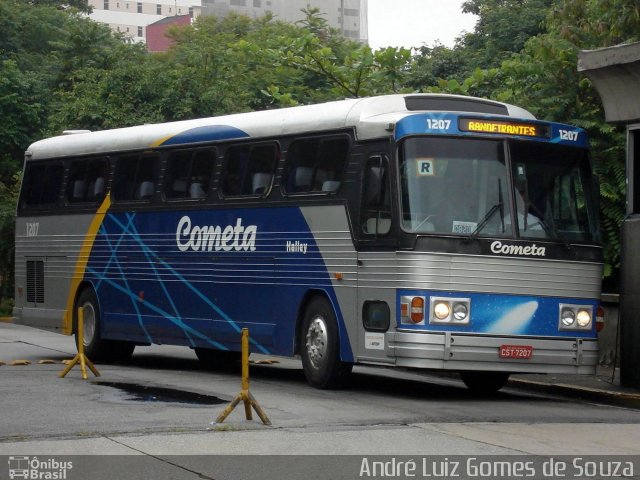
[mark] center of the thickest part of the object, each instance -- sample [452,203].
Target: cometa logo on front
[507,249]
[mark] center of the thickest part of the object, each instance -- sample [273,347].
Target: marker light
[567,317]
[417,309]
[441,310]
[599,319]
[460,312]
[583,318]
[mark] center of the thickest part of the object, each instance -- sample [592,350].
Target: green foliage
[8,199]
[22,104]
[79,5]
[503,27]
[6,307]
[337,67]
[596,23]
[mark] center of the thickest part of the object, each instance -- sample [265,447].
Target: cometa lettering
[528,250]
[215,237]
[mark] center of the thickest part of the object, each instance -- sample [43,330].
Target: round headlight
[567,317]
[583,318]
[441,310]
[460,312]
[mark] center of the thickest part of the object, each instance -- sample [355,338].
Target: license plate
[523,352]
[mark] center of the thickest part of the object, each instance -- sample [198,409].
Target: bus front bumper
[451,351]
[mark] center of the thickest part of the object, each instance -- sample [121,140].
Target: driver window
[376,203]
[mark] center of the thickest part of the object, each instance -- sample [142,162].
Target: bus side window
[249,170]
[376,202]
[86,181]
[42,184]
[315,165]
[189,174]
[134,177]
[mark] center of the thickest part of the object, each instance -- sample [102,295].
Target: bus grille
[35,281]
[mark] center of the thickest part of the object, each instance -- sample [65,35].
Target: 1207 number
[568,135]
[434,124]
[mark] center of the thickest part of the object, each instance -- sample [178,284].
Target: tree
[341,67]
[79,5]
[596,23]
[503,28]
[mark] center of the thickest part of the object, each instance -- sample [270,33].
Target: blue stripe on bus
[501,314]
[207,133]
[153,291]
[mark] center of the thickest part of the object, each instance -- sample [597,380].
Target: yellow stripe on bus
[81,263]
[159,142]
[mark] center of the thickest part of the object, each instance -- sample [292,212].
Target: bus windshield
[462,187]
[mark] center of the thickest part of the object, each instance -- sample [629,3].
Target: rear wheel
[320,347]
[484,383]
[95,347]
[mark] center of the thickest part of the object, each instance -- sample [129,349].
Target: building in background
[157,40]
[348,16]
[132,18]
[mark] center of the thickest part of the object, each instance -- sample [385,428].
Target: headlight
[575,317]
[449,310]
[583,318]
[460,312]
[441,310]
[567,317]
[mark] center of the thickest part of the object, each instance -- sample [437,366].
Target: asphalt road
[156,417]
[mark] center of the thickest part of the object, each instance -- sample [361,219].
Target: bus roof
[369,117]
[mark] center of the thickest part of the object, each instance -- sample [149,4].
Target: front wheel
[94,346]
[320,346]
[484,383]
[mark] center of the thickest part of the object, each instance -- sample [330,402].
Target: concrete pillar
[615,72]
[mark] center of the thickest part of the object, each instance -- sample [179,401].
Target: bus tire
[95,348]
[320,346]
[484,383]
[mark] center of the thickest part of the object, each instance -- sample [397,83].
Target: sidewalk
[603,387]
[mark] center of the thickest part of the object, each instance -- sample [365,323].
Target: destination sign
[503,127]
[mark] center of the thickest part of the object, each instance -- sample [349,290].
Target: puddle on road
[143,393]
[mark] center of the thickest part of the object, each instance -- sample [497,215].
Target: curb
[623,399]
[6,319]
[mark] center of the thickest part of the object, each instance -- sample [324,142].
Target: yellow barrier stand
[245,395]
[80,358]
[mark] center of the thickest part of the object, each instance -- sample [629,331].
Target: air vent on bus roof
[443,104]
[75,132]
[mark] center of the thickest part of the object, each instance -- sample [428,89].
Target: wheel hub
[89,324]
[317,341]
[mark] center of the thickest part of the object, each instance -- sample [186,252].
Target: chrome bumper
[451,351]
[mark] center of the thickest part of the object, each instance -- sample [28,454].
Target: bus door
[376,260]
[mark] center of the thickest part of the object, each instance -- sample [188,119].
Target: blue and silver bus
[420,231]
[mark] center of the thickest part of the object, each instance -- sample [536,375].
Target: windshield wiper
[487,216]
[498,206]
